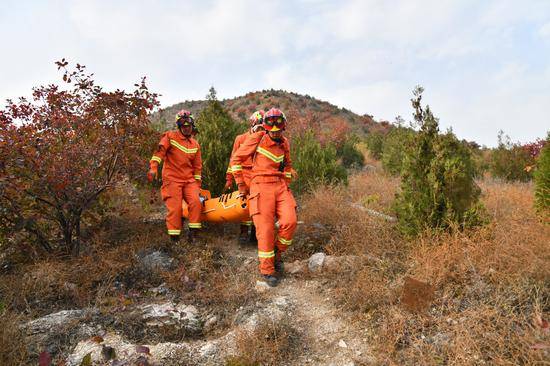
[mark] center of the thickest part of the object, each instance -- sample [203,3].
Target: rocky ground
[320,333]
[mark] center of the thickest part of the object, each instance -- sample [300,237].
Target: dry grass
[490,283]
[214,281]
[54,283]
[269,344]
[14,350]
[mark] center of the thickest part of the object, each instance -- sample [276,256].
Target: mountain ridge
[293,104]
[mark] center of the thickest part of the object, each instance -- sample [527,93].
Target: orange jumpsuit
[246,166]
[181,178]
[270,197]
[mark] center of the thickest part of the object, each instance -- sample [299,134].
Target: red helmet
[184,118]
[256,118]
[274,120]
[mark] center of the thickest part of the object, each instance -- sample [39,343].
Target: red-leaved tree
[61,150]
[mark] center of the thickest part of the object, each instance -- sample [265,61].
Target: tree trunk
[76,241]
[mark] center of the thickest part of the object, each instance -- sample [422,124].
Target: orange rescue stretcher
[229,207]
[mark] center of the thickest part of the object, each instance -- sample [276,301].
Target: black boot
[252,238]
[271,280]
[193,236]
[279,265]
[175,239]
[243,235]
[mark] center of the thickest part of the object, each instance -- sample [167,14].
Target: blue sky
[485,65]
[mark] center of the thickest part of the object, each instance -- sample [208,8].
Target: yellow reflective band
[284,241]
[174,232]
[195,225]
[228,169]
[197,177]
[236,168]
[183,148]
[156,158]
[247,223]
[270,155]
[288,175]
[266,254]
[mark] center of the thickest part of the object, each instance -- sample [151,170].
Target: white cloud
[481,70]
[544,31]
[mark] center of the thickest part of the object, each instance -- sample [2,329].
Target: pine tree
[437,188]
[217,131]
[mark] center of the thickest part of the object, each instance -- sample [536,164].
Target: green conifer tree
[437,188]
[217,132]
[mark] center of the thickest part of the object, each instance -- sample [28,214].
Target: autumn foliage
[61,150]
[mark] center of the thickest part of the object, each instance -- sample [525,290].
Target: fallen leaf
[143,349]
[142,361]
[45,359]
[108,353]
[97,339]
[87,360]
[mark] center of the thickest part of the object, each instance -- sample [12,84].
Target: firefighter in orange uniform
[270,197]
[181,175]
[256,120]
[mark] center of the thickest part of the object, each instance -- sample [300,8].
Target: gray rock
[316,261]
[210,323]
[170,314]
[261,286]
[295,267]
[157,262]
[57,330]
[52,322]
[208,350]
[160,290]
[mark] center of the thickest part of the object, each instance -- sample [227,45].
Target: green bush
[351,157]
[375,144]
[510,160]
[437,186]
[393,151]
[314,163]
[217,131]
[542,180]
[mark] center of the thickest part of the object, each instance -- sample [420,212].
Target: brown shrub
[269,344]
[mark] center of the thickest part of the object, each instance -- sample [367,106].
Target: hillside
[292,104]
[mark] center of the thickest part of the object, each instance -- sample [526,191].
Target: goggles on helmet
[274,121]
[184,121]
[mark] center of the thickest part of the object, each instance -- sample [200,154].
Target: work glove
[152,174]
[243,189]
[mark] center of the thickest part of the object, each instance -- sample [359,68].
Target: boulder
[157,261]
[316,261]
[170,314]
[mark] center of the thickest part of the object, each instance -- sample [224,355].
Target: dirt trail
[329,337]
